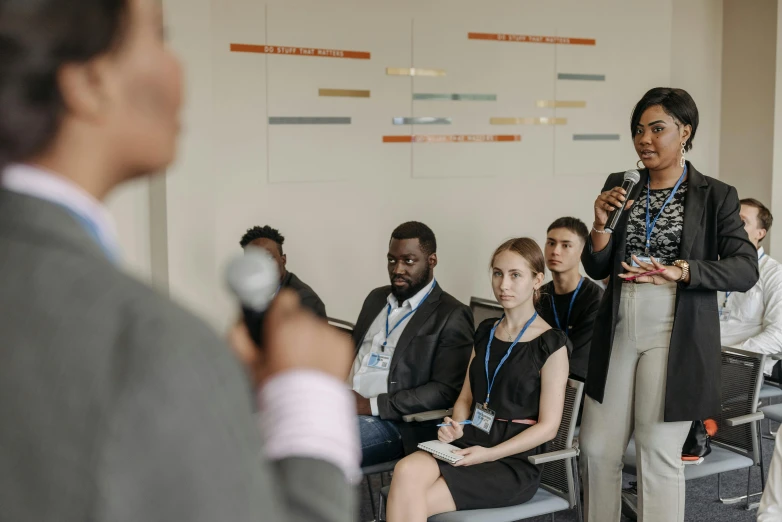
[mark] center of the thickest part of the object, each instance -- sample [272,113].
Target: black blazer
[721,257]
[430,360]
[309,299]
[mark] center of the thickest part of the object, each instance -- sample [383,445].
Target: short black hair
[575,225]
[38,38]
[765,219]
[677,103]
[264,232]
[419,231]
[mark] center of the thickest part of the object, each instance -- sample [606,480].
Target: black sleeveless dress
[515,395]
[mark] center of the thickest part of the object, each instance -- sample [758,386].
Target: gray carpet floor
[702,504]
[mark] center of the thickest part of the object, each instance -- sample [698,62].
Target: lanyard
[727,294]
[490,383]
[92,229]
[408,314]
[649,228]
[570,308]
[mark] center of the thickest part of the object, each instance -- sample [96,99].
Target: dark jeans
[380,440]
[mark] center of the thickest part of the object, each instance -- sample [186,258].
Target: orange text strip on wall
[501,37]
[299,51]
[452,138]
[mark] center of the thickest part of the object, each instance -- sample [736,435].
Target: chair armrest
[744,419]
[427,415]
[551,456]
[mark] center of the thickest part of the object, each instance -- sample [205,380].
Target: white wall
[776,187]
[338,193]
[748,91]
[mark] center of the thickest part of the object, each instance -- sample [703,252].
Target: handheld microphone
[630,179]
[254,279]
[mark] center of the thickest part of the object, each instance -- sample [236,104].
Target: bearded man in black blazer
[413,343]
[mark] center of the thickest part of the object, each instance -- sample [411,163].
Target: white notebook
[441,450]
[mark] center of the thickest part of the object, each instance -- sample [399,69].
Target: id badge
[643,259]
[483,418]
[379,361]
[724,314]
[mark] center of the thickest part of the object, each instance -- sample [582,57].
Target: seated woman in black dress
[515,385]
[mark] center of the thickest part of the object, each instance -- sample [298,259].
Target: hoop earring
[682,160]
[641,166]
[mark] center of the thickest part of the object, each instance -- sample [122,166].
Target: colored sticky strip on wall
[525,38]
[452,138]
[413,71]
[309,120]
[583,77]
[299,51]
[343,93]
[561,104]
[454,97]
[421,120]
[595,137]
[527,121]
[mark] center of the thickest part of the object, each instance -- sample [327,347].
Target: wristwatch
[685,266]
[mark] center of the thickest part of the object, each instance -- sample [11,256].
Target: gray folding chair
[559,489]
[769,391]
[773,412]
[483,309]
[342,326]
[736,444]
[388,467]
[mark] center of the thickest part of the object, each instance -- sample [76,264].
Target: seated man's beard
[413,286]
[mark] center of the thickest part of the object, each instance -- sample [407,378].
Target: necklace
[507,332]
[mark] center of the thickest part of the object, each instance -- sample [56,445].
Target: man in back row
[570,301]
[271,240]
[753,320]
[413,342]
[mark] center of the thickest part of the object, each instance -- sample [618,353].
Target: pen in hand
[448,423]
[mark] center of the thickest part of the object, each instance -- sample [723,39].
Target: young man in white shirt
[752,320]
[413,342]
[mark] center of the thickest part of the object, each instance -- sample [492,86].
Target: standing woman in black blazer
[654,362]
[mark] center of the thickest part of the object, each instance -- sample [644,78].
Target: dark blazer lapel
[415,324]
[694,207]
[368,315]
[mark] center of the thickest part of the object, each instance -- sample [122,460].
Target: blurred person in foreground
[118,404]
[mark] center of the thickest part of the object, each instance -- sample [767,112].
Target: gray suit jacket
[117,405]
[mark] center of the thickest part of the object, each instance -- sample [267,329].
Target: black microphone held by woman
[631,178]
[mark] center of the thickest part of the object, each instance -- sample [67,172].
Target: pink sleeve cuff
[306,413]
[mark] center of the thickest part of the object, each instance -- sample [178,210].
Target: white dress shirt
[39,183]
[754,318]
[370,382]
[771,504]
[325,429]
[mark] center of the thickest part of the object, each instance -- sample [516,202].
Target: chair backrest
[342,326]
[483,309]
[742,376]
[557,476]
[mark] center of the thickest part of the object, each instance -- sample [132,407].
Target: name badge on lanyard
[651,223]
[570,309]
[483,418]
[380,361]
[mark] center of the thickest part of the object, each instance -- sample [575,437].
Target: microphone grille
[632,175]
[254,278]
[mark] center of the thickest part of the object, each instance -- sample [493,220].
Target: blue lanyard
[490,383]
[727,294]
[649,228]
[570,309]
[92,229]
[408,314]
